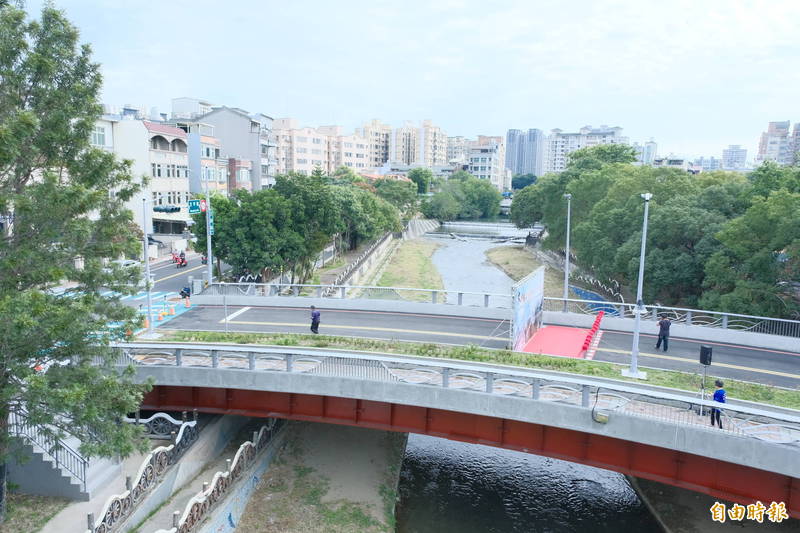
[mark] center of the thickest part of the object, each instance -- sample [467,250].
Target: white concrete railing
[766,423]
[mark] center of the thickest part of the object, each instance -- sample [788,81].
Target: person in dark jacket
[315,316]
[719,396]
[663,332]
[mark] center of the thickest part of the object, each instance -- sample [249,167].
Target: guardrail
[202,505]
[482,299]
[63,455]
[679,315]
[680,408]
[119,507]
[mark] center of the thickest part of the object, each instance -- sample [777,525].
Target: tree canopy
[285,228]
[423,177]
[464,197]
[520,181]
[717,240]
[62,204]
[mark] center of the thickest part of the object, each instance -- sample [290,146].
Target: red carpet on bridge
[558,340]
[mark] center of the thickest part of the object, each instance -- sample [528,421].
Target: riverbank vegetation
[463,196]
[517,262]
[717,240]
[285,228]
[411,266]
[685,381]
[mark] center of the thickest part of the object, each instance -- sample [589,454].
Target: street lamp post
[568,196]
[633,370]
[209,261]
[148,284]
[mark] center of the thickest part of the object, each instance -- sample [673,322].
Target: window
[168,170]
[301,150]
[99,136]
[264,170]
[316,162]
[158,170]
[302,139]
[316,140]
[316,151]
[348,145]
[302,161]
[153,165]
[348,154]
[359,146]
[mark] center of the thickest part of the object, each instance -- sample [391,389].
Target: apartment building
[302,149]
[243,135]
[646,153]
[778,144]
[457,148]
[559,144]
[378,137]
[424,145]
[708,163]
[734,157]
[525,151]
[487,160]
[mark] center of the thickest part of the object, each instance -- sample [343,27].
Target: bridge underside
[729,481]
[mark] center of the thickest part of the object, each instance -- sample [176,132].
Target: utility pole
[633,370]
[209,260]
[146,258]
[568,196]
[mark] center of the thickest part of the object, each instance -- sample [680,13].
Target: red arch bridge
[647,432]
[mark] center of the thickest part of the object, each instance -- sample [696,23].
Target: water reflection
[452,486]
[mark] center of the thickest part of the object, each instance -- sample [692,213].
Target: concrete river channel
[452,486]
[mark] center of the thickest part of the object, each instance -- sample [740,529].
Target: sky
[695,75]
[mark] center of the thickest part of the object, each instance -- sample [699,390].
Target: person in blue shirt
[315,315]
[719,396]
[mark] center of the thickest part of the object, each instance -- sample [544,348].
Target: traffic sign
[194,206]
[203,206]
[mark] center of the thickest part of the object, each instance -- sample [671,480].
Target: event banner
[528,299]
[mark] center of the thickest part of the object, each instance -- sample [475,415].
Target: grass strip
[684,381]
[29,513]
[411,266]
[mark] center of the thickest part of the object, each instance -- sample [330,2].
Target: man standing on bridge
[663,332]
[719,396]
[314,320]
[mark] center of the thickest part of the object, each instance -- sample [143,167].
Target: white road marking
[234,314]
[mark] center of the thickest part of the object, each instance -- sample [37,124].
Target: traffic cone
[160,317]
[146,322]
[188,303]
[172,309]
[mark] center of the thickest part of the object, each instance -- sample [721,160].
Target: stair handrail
[58,450]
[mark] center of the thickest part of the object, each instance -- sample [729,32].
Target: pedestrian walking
[663,332]
[719,396]
[314,320]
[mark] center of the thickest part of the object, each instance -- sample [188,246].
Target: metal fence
[367,292]
[600,397]
[58,450]
[679,315]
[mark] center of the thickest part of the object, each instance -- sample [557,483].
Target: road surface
[729,361]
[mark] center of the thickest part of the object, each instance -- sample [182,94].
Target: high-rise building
[646,153]
[425,145]
[457,150]
[734,157]
[559,144]
[487,160]
[525,151]
[776,144]
[378,138]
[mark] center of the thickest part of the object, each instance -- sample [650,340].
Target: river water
[467,488]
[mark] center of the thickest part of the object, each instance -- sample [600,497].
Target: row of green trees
[716,240]
[285,228]
[463,196]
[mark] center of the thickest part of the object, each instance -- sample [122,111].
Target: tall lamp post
[209,261]
[568,196]
[633,370]
[147,279]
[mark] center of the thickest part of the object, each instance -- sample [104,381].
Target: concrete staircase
[63,473]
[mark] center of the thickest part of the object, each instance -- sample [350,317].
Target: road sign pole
[146,258]
[209,260]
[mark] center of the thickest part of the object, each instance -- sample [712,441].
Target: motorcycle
[175,257]
[185,292]
[182,263]
[204,260]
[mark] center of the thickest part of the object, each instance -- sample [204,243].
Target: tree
[463,198]
[526,207]
[520,181]
[460,175]
[67,203]
[223,209]
[401,194]
[422,177]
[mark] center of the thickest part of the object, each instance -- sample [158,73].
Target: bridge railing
[371,292]
[602,398]
[680,315]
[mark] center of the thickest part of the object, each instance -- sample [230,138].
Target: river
[452,486]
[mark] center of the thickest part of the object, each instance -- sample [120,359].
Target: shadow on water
[454,486]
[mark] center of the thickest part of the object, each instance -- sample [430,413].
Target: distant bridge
[643,431]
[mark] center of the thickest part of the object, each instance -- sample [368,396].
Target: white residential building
[487,160]
[425,145]
[457,150]
[559,144]
[525,151]
[734,157]
[378,137]
[303,149]
[776,144]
